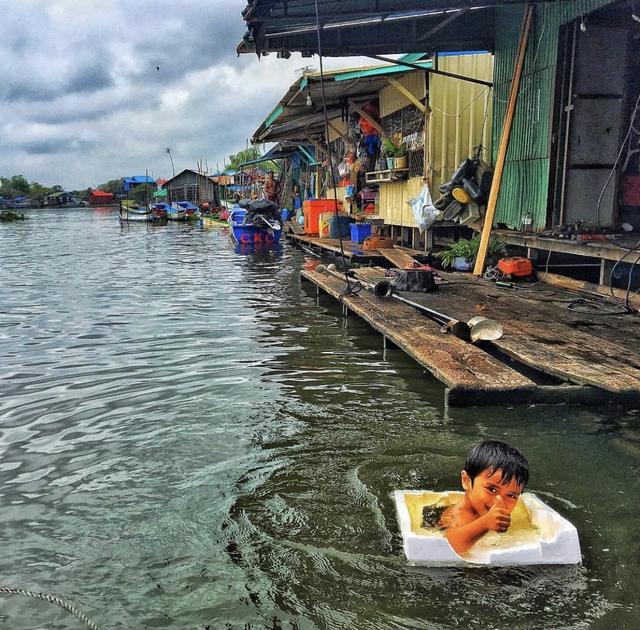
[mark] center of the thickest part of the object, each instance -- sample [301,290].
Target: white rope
[52,599]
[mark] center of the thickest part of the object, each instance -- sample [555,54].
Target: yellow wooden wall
[391,100]
[458,109]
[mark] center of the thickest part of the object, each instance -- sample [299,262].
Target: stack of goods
[465,194]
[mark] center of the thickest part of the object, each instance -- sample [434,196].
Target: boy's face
[487,487]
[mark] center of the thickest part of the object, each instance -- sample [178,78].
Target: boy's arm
[463,538]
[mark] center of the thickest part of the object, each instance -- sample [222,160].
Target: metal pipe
[477,329]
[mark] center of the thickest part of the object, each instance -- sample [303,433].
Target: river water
[188,439]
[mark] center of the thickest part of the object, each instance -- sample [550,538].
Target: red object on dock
[312,209]
[516,266]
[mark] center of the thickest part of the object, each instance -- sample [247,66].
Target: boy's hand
[497,519]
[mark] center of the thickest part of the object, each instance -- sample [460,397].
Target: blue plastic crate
[360,231]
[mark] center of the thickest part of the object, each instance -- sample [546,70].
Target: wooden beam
[587,287]
[478,270]
[407,94]
[332,126]
[366,116]
[318,146]
[441,25]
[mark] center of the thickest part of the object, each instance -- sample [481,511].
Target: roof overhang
[365,27]
[299,114]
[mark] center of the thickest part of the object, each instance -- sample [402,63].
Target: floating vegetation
[7,216]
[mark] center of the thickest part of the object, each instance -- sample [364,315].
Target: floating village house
[100,198]
[129,183]
[192,186]
[438,122]
[573,150]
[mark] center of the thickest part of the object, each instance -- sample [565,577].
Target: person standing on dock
[271,188]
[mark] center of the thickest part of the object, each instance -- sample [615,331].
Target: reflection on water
[188,438]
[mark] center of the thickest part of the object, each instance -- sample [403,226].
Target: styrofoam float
[537,535]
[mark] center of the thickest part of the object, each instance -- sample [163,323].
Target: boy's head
[494,469]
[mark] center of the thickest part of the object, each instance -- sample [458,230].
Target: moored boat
[182,211]
[212,221]
[256,222]
[135,213]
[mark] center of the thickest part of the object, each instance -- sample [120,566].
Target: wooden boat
[182,211]
[134,213]
[212,221]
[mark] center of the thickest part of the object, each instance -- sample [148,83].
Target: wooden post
[504,142]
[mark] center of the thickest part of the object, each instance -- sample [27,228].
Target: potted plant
[401,159]
[462,254]
[389,149]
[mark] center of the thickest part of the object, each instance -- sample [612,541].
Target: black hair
[493,455]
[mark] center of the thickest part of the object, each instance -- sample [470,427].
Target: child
[493,478]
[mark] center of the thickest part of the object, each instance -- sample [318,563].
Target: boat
[182,211]
[132,212]
[256,222]
[212,221]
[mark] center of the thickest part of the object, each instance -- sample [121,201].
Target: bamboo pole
[504,142]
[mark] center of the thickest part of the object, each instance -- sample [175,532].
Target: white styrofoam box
[538,535]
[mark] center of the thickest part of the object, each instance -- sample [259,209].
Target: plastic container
[360,231]
[538,534]
[323,224]
[340,227]
[312,209]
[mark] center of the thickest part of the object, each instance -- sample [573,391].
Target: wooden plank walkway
[578,348]
[471,375]
[397,257]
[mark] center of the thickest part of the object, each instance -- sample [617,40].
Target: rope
[52,599]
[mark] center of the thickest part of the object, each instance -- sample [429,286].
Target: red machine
[516,267]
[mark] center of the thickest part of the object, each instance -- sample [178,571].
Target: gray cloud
[82,84]
[53,146]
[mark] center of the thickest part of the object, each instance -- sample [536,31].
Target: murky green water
[188,440]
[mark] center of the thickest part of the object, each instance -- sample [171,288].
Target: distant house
[100,198]
[64,199]
[192,186]
[131,182]
[24,202]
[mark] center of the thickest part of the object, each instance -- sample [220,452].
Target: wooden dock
[354,252]
[548,354]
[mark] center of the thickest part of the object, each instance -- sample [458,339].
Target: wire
[615,164]
[628,296]
[334,185]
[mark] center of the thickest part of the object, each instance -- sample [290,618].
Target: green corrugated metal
[273,116]
[381,71]
[525,184]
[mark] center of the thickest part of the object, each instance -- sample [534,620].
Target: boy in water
[493,478]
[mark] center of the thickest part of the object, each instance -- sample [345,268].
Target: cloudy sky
[82,100]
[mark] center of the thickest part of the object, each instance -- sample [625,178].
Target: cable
[628,297]
[334,185]
[615,164]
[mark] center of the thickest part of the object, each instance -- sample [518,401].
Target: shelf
[392,175]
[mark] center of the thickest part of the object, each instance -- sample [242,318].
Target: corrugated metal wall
[525,184]
[459,110]
[457,125]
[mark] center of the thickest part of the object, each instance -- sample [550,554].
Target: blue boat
[182,211]
[256,224]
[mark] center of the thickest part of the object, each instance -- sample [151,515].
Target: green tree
[38,191]
[142,193]
[113,186]
[20,185]
[5,187]
[252,153]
